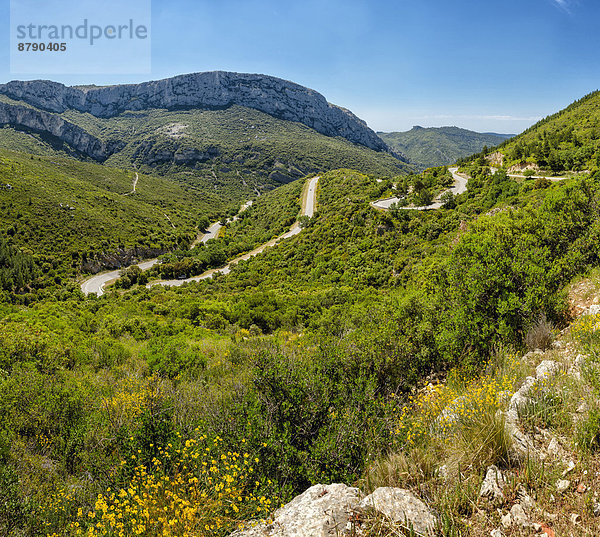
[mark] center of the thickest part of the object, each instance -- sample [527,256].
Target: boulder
[547,369]
[320,511]
[402,506]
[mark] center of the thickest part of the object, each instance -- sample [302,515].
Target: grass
[540,335]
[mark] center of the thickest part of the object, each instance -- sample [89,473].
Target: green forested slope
[301,358]
[301,361]
[66,213]
[231,152]
[567,140]
[428,147]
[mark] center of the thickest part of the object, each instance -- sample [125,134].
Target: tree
[203,223]
[448,200]
[424,197]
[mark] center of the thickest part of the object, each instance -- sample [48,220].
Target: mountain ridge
[427,147]
[213,90]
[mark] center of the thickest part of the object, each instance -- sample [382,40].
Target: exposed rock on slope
[274,96]
[331,510]
[56,126]
[321,511]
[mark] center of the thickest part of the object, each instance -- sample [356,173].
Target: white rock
[570,467]
[443,472]
[519,517]
[547,369]
[521,443]
[594,309]
[520,397]
[526,501]
[562,485]
[401,505]
[320,511]
[596,509]
[506,521]
[492,485]
[554,449]
[575,518]
[496,533]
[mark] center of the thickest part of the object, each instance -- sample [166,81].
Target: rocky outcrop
[210,90]
[320,511]
[493,485]
[403,507]
[153,154]
[56,126]
[334,510]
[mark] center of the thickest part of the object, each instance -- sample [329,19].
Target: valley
[96,283]
[229,308]
[430,147]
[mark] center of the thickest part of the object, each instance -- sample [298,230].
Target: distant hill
[222,131]
[432,146]
[565,141]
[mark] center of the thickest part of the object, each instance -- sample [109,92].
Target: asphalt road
[460,186]
[308,209]
[96,283]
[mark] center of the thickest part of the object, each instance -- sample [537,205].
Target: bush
[174,356]
[542,182]
[448,200]
[191,488]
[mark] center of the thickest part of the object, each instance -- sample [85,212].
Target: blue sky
[483,65]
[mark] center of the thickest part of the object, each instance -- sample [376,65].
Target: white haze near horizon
[382,120]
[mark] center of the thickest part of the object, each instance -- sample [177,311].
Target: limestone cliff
[210,90]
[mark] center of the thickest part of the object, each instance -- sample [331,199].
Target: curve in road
[212,231]
[308,209]
[459,187]
[96,284]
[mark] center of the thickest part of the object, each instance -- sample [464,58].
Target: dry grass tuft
[540,336]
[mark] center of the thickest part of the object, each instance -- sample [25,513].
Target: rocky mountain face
[210,90]
[40,121]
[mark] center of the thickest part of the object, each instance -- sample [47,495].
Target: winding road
[309,202]
[95,284]
[460,186]
[213,230]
